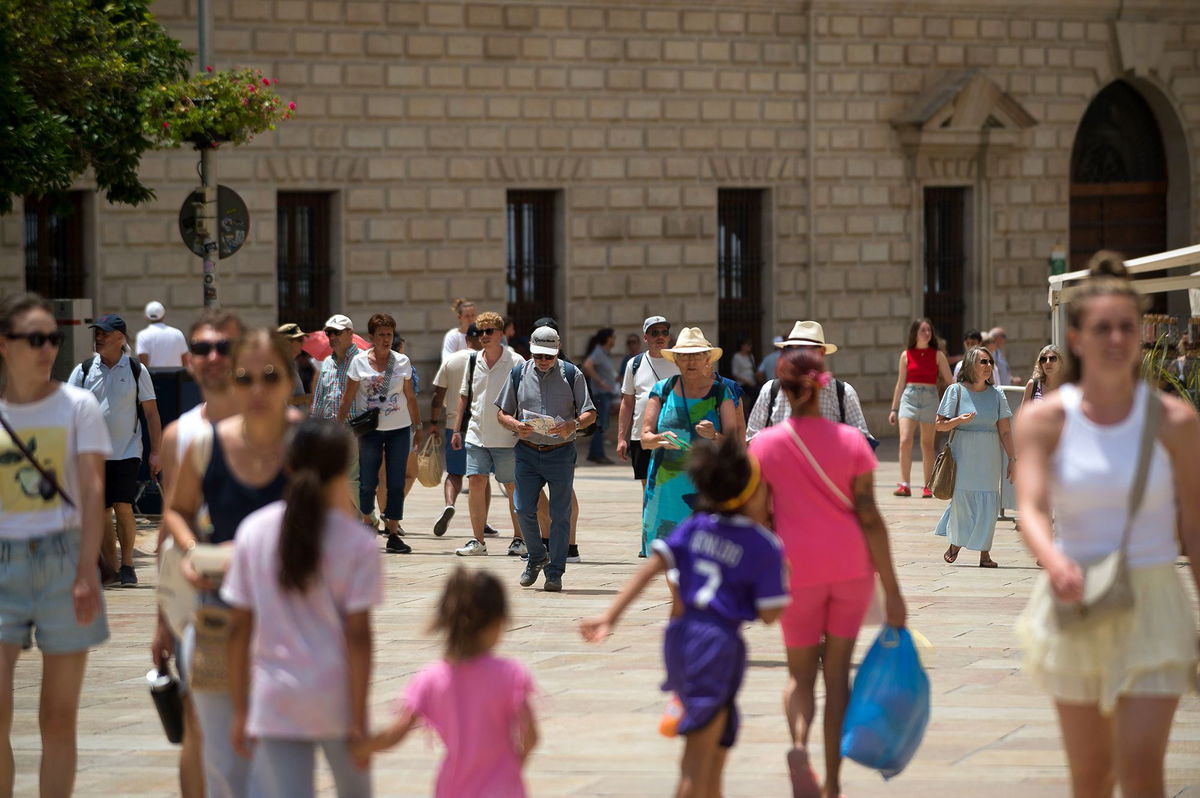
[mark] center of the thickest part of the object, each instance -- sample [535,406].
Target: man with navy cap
[126,395]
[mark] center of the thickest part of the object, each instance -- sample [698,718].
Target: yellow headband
[748,491]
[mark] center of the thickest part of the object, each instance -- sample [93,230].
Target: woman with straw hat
[680,410]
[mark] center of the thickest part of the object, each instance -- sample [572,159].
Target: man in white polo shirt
[643,371]
[159,344]
[489,445]
[120,386]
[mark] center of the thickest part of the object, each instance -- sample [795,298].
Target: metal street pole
[206,220]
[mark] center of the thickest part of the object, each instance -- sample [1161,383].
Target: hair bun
[1107,263]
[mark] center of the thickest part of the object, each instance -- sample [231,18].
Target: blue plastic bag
[889,705]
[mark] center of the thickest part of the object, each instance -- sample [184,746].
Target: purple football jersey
[726,565]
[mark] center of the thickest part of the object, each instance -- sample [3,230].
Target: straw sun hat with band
[691,340]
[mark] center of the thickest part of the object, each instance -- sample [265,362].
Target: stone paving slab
[992,732]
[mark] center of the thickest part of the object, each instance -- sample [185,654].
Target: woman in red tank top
[915,400]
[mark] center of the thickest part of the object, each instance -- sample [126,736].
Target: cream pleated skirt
[1150,651]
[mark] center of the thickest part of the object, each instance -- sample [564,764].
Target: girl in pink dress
[477,703]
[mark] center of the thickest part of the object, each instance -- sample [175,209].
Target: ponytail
[471,603]
[318,451]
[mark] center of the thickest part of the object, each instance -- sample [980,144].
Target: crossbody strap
[812,461]
[1138,491]
[46,475]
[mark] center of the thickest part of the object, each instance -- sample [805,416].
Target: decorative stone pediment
[959,117]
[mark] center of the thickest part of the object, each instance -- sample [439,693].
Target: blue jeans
[388,448]
[285,768]
[555,468]
[603,402]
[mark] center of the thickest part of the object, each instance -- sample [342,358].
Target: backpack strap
[841,395]
[771,402]
[637,362]
[570,372]
[466,415]
[135,366]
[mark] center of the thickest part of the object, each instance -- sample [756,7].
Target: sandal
[951,553]
[988,562]
[804,778]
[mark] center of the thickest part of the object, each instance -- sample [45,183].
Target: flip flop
[951,553]
[988,563]
[804,779]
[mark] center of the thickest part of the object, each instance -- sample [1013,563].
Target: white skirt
[1150,651]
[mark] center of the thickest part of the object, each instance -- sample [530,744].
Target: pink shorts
[832,608]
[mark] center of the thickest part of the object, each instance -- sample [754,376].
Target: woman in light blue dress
[979,414]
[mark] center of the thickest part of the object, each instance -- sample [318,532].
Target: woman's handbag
[431,461]
[1107,588]
[941,479]
[368,421]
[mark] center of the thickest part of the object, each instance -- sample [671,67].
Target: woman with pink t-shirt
[304,577]
[834,545]
[477,703]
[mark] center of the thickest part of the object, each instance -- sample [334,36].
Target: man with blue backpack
[545,403]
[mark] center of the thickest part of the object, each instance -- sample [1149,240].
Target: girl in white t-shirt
[304,577]
[50,526]
[381,380]
[456,337]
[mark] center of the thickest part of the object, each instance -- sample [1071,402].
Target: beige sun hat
[807,333]
[691,339]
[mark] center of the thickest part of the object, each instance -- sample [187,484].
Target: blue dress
[970,518]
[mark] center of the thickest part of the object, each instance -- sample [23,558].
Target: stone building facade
[742,163]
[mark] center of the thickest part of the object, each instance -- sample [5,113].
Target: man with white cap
[839,400]
[642,373]
[330,383]
[545,402]
[159,344]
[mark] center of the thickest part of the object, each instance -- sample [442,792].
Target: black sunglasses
[987,362]
[658,332]
[487,331]
[333,333]
[1048,359]
[204,348]
[544,357]
[268,377]
[38,339]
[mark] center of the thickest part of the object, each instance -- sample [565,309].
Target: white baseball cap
[544,341]
[155,310]
[339,322]
[652,320]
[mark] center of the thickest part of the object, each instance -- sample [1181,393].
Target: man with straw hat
[839,400]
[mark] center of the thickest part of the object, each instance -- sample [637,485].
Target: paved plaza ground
[992,733]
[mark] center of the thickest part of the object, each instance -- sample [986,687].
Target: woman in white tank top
[1116,681]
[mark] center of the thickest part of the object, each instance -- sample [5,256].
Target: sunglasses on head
[331,333]
[544,357]
[38,339]
[245,379]
[488,330]
[204,348]
[1048,359]
[987,362]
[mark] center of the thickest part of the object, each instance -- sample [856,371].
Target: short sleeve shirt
[331,384]
[546,393]
[450,377]
[453,341]
[487,384]
[650,371]
[57,429]
[300,682]
[725,565]
[393,407]
[164,345]
[118,396]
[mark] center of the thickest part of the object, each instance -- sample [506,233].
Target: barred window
[740,265]
[54,258]
[303,258]
[531,260]
[946,261]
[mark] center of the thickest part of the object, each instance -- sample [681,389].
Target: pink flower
[166,124]
[291,106]
[266,82]
[208,69]
[276,81]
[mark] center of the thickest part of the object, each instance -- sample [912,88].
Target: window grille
[739,271]
[303,258]
[531,261]
[945,261]
[54,265]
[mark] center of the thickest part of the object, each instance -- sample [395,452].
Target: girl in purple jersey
[724,568]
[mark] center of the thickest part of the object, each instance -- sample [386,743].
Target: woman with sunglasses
[979,415]
[1046,374]
[232,469]
[50,518]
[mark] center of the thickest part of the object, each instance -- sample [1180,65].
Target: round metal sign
[233,221]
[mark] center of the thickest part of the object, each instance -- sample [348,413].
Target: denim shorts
[37,580]
[919,401]
[456,460]
[497,460]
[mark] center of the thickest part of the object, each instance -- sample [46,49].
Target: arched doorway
[1118,178]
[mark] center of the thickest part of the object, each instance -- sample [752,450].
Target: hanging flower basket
[214,108]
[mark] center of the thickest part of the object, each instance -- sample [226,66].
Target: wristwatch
[577,425]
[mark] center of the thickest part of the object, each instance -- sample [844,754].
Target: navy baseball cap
[472,331]
[110,323]
[546,321]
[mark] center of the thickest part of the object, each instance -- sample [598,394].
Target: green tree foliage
[73,81]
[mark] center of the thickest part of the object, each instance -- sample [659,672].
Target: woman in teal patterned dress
[681,410]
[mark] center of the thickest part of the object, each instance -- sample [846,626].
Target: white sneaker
[473,549]
[517,548]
